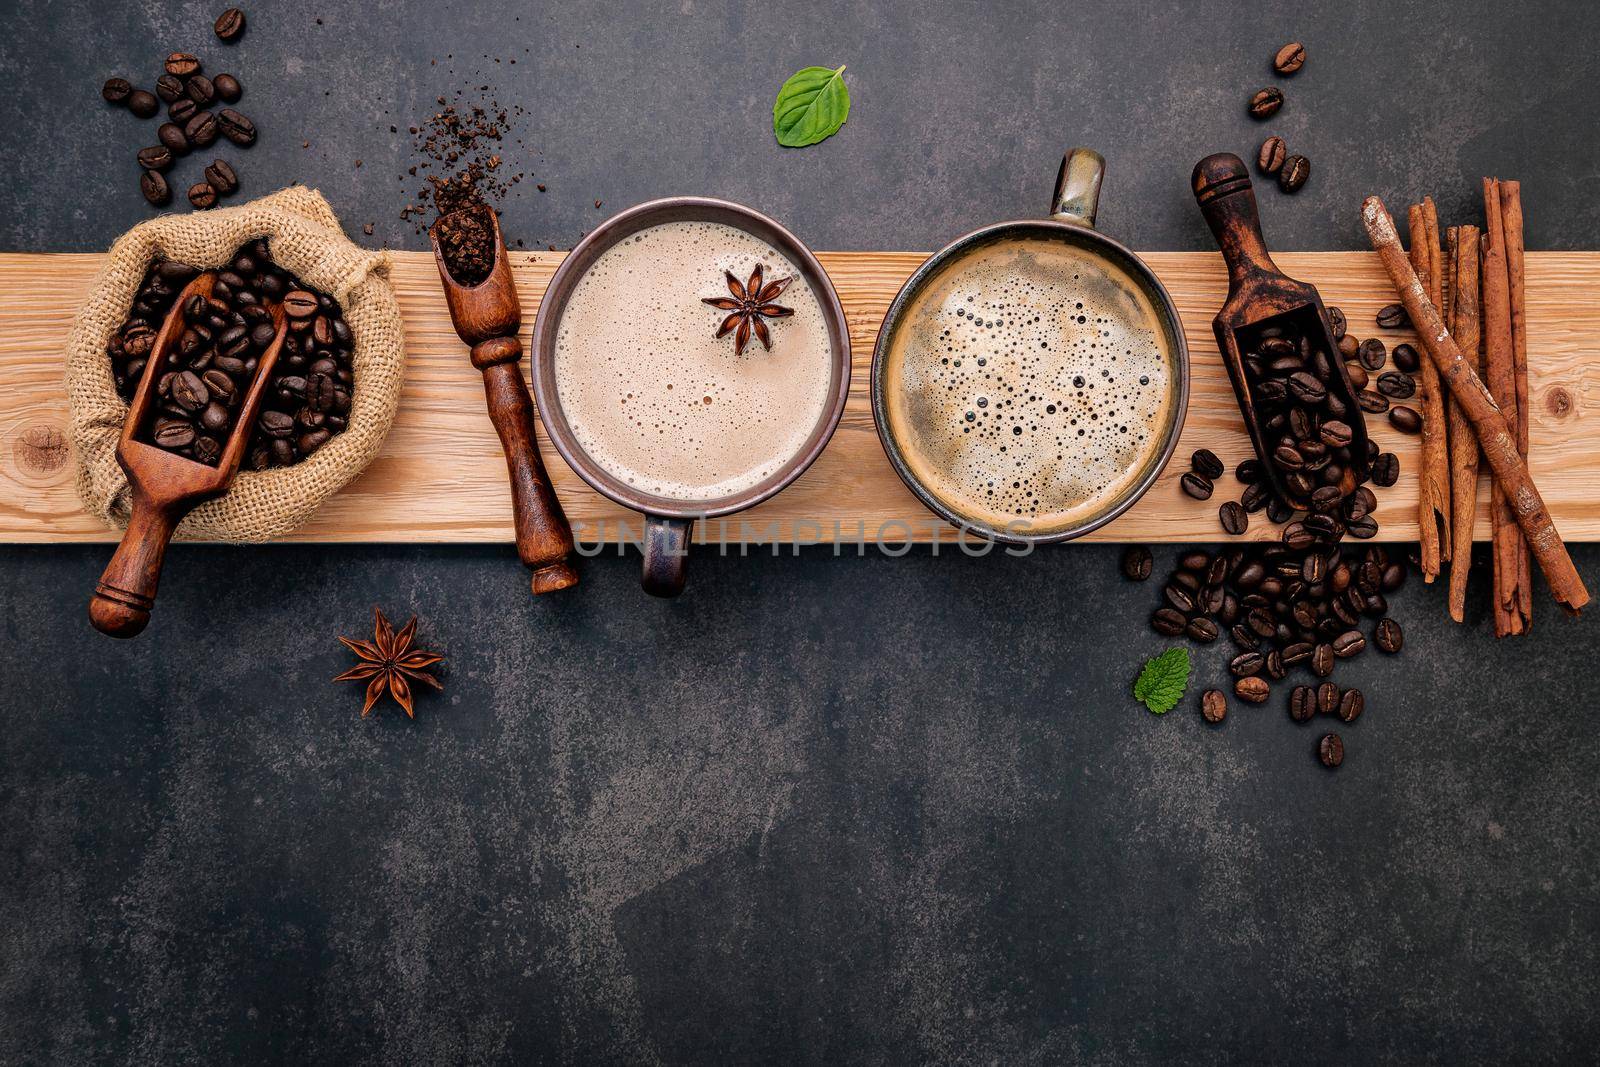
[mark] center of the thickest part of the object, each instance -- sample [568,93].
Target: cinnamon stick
[1499,363]
[1511,224]
[1494,436]
[1433,479]
[1463,446]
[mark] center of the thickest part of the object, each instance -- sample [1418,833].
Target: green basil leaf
[811,107]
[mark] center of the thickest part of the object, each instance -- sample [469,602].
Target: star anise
[388,660]
[751,304]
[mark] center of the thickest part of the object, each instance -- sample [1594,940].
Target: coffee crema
[1030,385]
[655,398]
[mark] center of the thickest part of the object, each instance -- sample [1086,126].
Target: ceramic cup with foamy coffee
[1030,379]
[662,394]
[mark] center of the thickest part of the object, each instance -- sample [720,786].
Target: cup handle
[1078,187]
[666,554]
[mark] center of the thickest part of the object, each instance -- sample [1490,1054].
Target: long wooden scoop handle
[1228,201]
[544,539]
[127,588]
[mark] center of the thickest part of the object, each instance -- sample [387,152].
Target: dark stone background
[821,810]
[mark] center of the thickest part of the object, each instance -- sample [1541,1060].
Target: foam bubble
[1031,384]
[655,398]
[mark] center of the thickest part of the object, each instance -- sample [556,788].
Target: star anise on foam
[388,660]
[751,305]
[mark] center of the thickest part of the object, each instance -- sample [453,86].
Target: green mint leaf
[811,107]
[1162,682]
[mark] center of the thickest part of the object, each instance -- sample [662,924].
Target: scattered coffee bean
[1252,689]
[1205,462]
[1350,643]
[1270,157]
[1202,630]
[1330,750]
[202,196]
[1266,102]
[1387,636]
[1235,520]
[1406,359]
[230,24]
[171,135]
[1386,469]
[1351,705]
[1357,375]
[1136,563]
[182,65]
[1393,317]
[220,176]
[1372,354]
[1372,402]
[1290,58]
[1296,171]
[1327,698]
[1213,706]
[1302,703]
[116,90]
[144,105]
[1336,322]
[1168,622]
[236,128]
[169,88]
[228,88]
[182,110]
[156,157]
[200,90]
[1406,420]
[201,129]
[1396,385]
[154,187]
[1196,485]
[1322,660]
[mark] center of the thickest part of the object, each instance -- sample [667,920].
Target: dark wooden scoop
[487,317]
[166,486]
[1260,295]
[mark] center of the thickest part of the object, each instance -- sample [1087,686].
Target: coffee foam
[655,398]
[1030,385]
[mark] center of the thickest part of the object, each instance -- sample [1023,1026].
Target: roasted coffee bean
[1213,706]
[1248,471]
[200,90]
[1253,689]
[1327,698]
[222,178]
[1197,560]
[300,304]
[143,104]
[1211,598]
[173,433]
[1348,347]
[182,110]
[201,129]
[1330,750]
[1336,434]
[219,384]
[1372,354]
[1196,485]
[1179,597]
[261,335]
[154,187]
[1290,58]
[230,24]
[1396,385]
[276,424]
[228,88]
[1337,324]
[236,128]
[1295,173]
[1168,622]
[1351,705]
[116,90]
[202,196]
[171,136]
[1406,420]
[1246,663]
[1270,156]
[1233,517]
[1266,102]
[1357,375]
[1299,652]
[1261,623]
[1243,636]
[214,416]
[1394,576]
[1275,667]
[207,450]
[1205,462]
[156,157]
[1386,469]
[182,65]
[1387,636]
[1306,388]
[169,88]
[1393,317]
[309,442]
[1298,536]
[1373,403]
[1202,630]
[1136,559]
[1256,497]
[1348,644]
[1406,359]
[1302,703]
[1326,498]
[1322,660]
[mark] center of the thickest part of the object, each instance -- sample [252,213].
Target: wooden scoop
[167,486]
[1261,295]
[487,317]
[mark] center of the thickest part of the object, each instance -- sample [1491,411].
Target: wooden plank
[441,478]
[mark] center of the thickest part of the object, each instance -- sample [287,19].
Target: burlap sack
[305,238]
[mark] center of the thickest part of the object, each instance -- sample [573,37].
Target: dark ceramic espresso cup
[668,521]
[1003,392]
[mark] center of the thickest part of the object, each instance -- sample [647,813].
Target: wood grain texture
[441,474]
